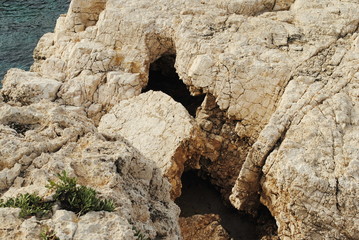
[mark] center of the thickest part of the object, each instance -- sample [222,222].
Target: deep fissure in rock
[163,77]
[201,197]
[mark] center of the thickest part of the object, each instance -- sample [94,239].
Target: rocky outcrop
[313,159]
[62,138]
[159,128]
[279,118]
[28,87]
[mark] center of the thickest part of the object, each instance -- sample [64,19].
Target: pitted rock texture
[28,87]
[62,138]
[224,150]
[203,227]
[283,73]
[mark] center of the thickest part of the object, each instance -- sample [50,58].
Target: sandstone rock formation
[280,113]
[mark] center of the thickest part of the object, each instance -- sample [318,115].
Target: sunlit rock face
[279,122]
[41,140]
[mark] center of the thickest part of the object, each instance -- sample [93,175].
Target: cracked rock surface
[112,167]
[279,123]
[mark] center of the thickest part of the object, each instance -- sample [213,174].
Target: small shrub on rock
[70,196]
[79,199]
[30,205]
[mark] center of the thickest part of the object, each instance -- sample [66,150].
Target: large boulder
[159,128]
[28,87]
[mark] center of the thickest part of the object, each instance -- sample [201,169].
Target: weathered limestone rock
[225,151]
[9,222]
[159,128]
[306,156]
[29,131]
[102,225]
[28,87]
[284,75]
[84,13]
[7,176]
[64,139]
[64,224]
[224,45]
[203,227]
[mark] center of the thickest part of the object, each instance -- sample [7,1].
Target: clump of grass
[30,205]
[72,197]
[48,234]
[76,198]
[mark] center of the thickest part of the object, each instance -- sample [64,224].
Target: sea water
[22,23]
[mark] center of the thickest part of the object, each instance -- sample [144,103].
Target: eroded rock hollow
[260,96]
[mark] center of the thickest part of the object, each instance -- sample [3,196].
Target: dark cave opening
[199,196]
[163,77]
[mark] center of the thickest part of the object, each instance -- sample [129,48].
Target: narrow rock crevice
[225,150]
[163,77]
[200,197]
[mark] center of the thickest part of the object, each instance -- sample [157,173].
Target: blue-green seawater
[22,23]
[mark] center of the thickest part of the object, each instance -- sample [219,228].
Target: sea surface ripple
[22,23]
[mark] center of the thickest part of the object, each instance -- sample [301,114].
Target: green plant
[72,197]
[139,235]
[79,199]
[48,234]
[30,205]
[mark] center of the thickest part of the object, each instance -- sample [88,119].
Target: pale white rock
[9,222]
[282,4]
[247,7]
[158,127]
[64,224]
[29,229]
[284,72]
[7,176]
[119,86]
[28,87]
[84,13]
[102,226]
[28,131]
[308,153]
[249,62]
[61,138]
[80,90]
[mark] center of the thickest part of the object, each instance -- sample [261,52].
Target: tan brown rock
[202,227]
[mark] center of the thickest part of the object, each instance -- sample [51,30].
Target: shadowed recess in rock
[20,128]
[200,197]
[163,77]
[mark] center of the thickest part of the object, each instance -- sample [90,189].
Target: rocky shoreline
[275,120]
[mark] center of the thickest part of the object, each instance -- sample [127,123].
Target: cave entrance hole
[163,77]
[199,196]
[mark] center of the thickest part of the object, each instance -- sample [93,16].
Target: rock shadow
[163,77]
[201,197]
